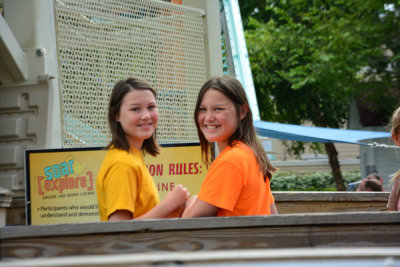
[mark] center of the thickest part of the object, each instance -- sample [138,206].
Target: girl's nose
[210,116]
[145,114]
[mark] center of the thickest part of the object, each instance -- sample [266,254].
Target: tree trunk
[335,167]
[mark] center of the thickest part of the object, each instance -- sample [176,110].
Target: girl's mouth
[211,126]
[145,125]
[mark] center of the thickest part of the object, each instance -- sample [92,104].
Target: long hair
[395,130]
[119,140]
[231,88]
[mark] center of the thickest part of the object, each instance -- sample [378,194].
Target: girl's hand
[175,200]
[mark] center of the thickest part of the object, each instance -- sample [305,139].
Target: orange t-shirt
[235,184]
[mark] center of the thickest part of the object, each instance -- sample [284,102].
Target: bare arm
[199,208]
[394,197]
[273,209]
[172,204]
[120,215]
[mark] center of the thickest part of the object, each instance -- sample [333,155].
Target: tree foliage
[309,181]
[311,59]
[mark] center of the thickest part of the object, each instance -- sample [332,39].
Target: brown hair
[121,88]
[373,185]
[394,127]
[245,132]
[395,122]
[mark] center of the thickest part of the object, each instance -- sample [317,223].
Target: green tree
[311,59]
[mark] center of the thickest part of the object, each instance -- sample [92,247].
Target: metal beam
[11,53]
[239,53]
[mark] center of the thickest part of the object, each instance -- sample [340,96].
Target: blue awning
[315,134]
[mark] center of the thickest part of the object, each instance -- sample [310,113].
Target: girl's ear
[243,111]
[396,139]
[116,115]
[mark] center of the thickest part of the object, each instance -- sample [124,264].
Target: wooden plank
[201,240]
[200,223]
[321,206]
[16,212]
[308,202]
[280,231]
[195,240]
[287,202]
[285,257]
[310,196]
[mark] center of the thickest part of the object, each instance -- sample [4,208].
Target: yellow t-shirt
[124,183]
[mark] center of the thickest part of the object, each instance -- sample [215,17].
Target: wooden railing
[307,230]
[311,202]
[287,202]
[298,257]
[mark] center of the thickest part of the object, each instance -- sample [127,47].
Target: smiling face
[138,116]
[396,139]
[217,117]
[395,125]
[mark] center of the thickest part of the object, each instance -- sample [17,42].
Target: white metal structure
[101,42]
[239,53]
[59,60]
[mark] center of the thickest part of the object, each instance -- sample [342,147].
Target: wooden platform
[298,257]
[287,202]
[313,230]
[317,201]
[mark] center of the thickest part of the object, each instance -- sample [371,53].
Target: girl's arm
[172,203]
[394,197]
[199,208]
[120,215]
[273,209]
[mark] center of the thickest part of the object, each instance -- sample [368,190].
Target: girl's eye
[152,107]
[218,109]
[202,109]
[135,109]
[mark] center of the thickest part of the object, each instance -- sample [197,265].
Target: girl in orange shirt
[237,182]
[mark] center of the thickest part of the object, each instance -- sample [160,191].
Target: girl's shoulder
[239,150]
[397,179]
[120,156]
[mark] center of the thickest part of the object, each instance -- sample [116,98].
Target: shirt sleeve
[222,185]
[121,187]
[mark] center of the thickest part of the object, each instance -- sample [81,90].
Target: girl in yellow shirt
[125,189]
